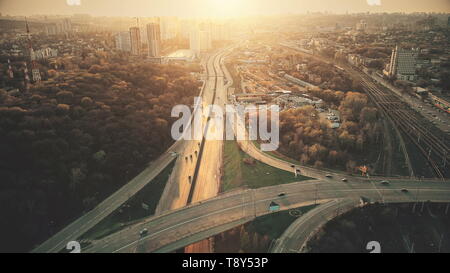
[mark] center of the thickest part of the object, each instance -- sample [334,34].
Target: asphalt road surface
[167,230]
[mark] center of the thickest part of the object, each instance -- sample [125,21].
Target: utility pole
[440,243]
[315,195]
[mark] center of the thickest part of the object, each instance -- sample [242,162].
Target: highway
[295,237]
[110,204]
[206,182]
[187,224]
[179,186]
[177,225]
[175,195]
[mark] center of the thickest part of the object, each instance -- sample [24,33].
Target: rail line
[403,117]
[406,119]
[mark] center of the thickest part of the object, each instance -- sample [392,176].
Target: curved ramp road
[199,221]
[80,226]
[297,234]
[171,230]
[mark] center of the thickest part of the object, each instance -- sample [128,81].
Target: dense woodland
[73,139]
[307,138]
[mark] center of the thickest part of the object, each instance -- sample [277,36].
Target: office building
[135,39]
[154,40]
[169,27]
[403,64]
[123,41]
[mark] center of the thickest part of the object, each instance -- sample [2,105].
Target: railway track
[434,147]
[431,142]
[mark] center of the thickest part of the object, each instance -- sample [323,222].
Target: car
[385,182]
[328,176]
[298,171]
[405,190]
[344,180]
[292,166]
[143,232]
[282,194]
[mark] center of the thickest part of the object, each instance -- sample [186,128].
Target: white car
[143,232]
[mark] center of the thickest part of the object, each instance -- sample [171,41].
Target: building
[403,64]
[194,41]
[154,40]
[220,32]
[135,41]
[298,81]
[169,27]
[205,41]
[44,53]
[123,41]
[200,40]
[361,25]
[60,27]
[183,55]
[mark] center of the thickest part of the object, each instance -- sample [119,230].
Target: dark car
[282,194]
[405,190]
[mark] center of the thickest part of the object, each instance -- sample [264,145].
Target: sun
[227,8]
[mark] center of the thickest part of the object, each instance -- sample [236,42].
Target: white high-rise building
[194,41]
[205,40]
[220,32]
[403,64]
[135,38]
[154,40]
[200,41]
[123,41]
[169,27]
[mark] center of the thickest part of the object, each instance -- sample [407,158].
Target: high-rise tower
[154,40]
[403,64]
[135,38]
[36,75]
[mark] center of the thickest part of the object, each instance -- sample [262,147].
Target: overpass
[175,229]
[172,229]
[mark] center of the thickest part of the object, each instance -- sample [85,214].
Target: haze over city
[208,8]
[224,126]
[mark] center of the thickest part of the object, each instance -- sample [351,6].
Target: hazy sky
[189,8]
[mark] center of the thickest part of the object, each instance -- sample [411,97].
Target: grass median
[240,170]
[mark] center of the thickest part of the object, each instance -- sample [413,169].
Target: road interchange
[178,225]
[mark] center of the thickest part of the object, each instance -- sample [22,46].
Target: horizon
[216,8]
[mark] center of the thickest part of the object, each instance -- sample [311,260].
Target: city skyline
[215,8]
[165,129]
